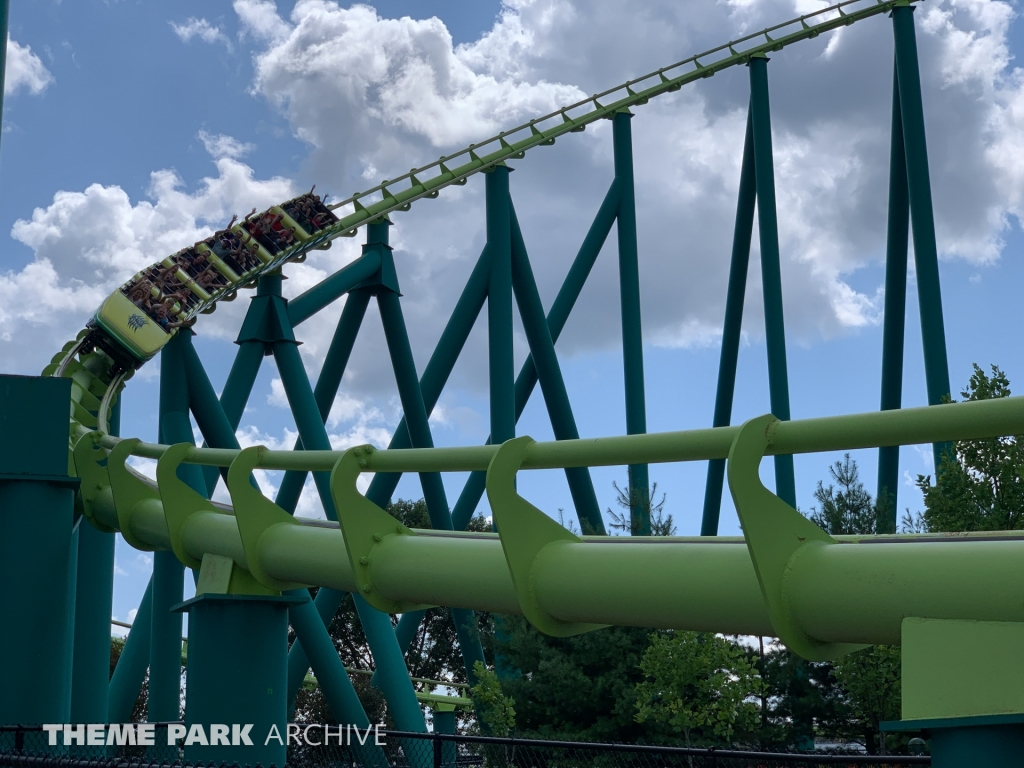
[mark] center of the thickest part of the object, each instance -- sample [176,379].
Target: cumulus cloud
[24,70]
[372,93]
[201,29]
[219,145]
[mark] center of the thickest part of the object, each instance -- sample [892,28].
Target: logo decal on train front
[136,321]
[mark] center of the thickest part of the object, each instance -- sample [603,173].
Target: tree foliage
[699,684]
[980,485]
[497,711]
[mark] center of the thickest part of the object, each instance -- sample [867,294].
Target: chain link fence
[25,747]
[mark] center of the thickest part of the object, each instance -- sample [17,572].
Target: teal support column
[499,306]
[771,274]
[919,188]
[632,333]
[126,681]
[327,385]
[895,312]
[36,508]
[741,236]
[94,593]
[333,288]
[237,674]
[168,572]
[5,7]
[445,752]
[549,373]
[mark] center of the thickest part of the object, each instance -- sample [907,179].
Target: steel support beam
[742,234]
[922,219]
[499,306]
[126,680]
[771,274]
[556,398]
[895,312]
[632,332]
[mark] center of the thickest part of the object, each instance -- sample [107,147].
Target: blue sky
[133,129]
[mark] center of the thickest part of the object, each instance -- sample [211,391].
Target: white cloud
[403,92]
[202,29]
[24,70]
[219,145]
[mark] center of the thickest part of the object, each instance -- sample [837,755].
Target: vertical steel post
[94,588]
[632,333]
[926,259]
[741,236]
[895,312]
[36,508]
[5,7]
[542,352]
[499,306]
[771,275]
[168,572]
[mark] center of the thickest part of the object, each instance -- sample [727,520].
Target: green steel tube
[895,312]
[327,385]
[926,259]
[126,680]
[419,433]
[499,306]
[878,584]
[307,304]
[771,275]
[542,353]
[907,426]
[741,237]
[632,334]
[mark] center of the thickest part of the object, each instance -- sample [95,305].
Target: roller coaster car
[310,213]
[131,328]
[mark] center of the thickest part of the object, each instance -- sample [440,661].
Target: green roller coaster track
[942,597]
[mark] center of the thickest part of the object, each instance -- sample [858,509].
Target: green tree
[868,681]
[497,712]
[980,485]
[578,688]
[871,678]
[661,523]
[698,683]
[848,509]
